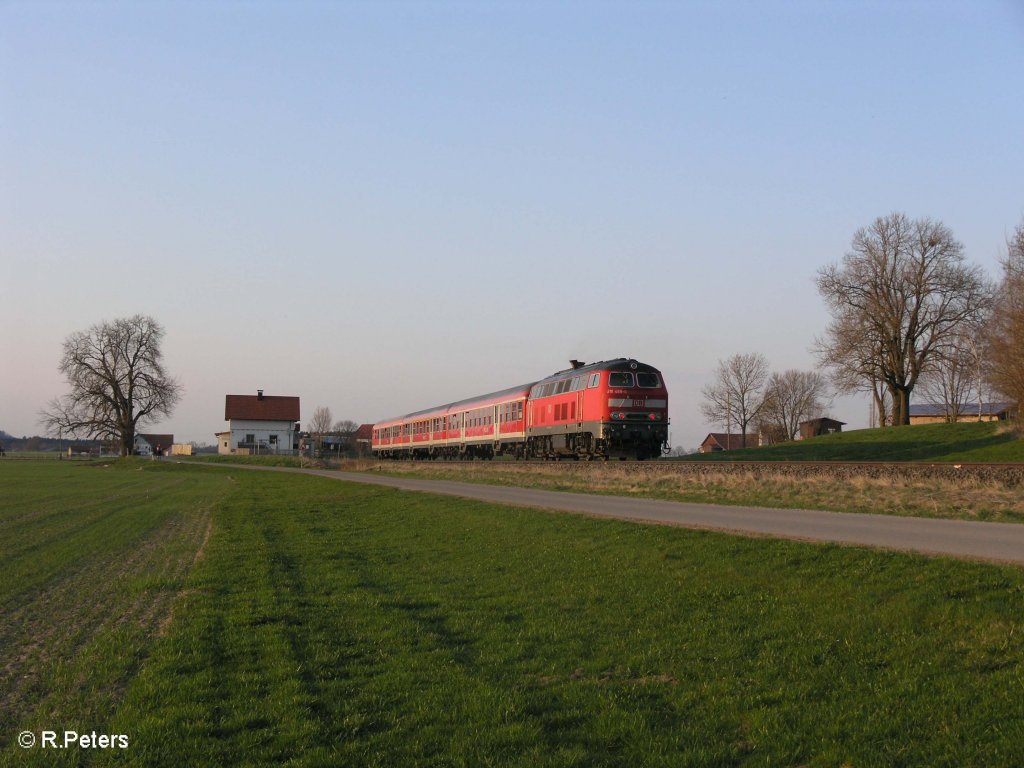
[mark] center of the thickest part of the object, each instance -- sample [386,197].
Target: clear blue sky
[382,206]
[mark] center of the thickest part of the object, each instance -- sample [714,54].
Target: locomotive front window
[620,379]
[648,380]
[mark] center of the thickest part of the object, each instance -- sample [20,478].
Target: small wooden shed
[822,426]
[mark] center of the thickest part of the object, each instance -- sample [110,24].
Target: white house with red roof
[259,424]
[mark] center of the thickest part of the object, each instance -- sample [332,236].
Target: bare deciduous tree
[320,424]
[792,397]
[953,377]
[900,293]
[118,383]
[1005,335]
[734,398]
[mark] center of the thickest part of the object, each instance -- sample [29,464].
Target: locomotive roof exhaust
[576,364]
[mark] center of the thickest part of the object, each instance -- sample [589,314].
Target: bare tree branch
[953,377]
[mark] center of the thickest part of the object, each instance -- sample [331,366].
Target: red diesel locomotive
[612,409]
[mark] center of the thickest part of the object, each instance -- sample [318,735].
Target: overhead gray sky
[379,207]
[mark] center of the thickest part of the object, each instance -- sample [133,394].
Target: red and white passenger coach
[613,409]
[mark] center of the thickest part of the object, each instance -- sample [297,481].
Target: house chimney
[576,364]
[259,394]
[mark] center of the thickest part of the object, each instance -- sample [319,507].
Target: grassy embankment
[335,624]
[995,442]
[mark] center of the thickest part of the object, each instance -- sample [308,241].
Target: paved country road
[1002,542]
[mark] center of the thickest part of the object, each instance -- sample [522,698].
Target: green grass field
[967,442]
[221,617]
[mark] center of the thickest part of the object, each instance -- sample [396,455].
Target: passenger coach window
[620,379]
[649,380]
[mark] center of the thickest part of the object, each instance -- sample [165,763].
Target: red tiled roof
[269,408]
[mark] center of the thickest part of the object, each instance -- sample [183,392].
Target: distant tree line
[39,443]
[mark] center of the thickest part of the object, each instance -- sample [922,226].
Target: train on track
[612,409]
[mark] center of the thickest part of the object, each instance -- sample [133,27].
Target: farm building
[260,424]
[720,441]
[822,426]
[937,413]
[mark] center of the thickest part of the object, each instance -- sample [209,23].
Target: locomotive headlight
[618,416]
[654,416]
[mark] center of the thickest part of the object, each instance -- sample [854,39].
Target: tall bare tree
[734,398]
[899,294]
[792,397]
[1005,336]
[118,383]
[320,424]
